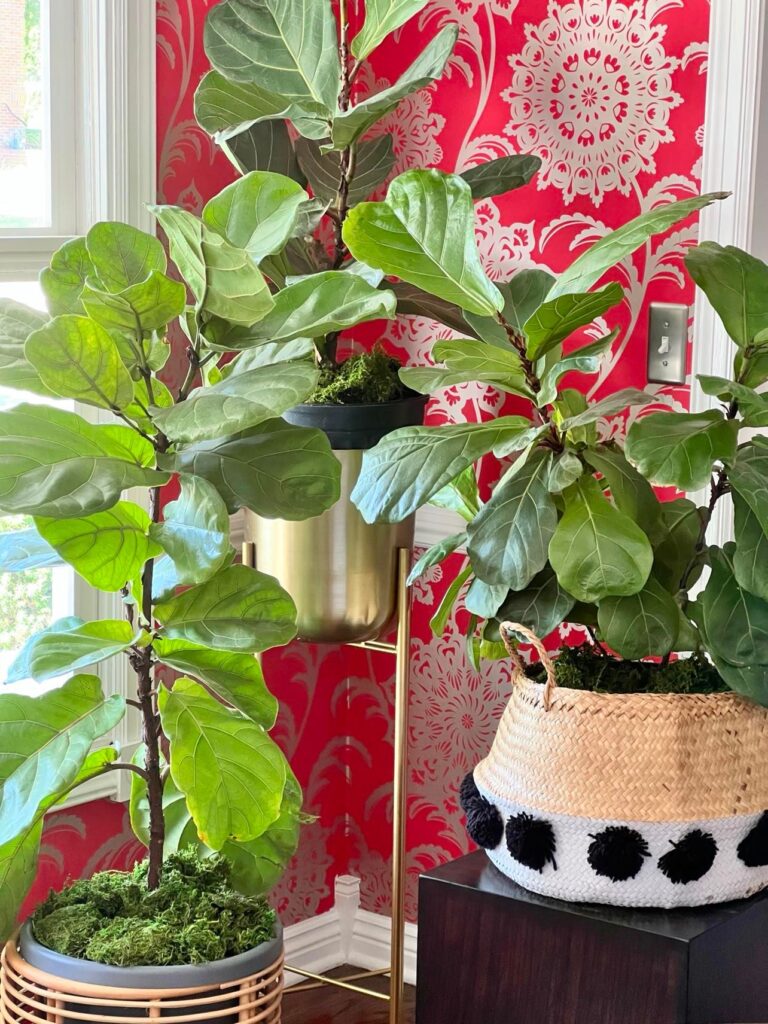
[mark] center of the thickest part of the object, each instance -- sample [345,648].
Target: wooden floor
[335,1006]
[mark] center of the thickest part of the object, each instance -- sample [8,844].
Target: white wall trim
[435,524]
[371,944]
[732,131]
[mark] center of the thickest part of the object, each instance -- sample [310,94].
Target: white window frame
[110,174]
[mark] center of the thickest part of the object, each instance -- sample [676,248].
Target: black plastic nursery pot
[40,985]
[340,570]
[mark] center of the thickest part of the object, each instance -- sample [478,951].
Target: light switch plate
[667,342]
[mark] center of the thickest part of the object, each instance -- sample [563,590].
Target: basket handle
[506,629]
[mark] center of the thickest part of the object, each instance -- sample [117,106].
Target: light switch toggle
[667,342]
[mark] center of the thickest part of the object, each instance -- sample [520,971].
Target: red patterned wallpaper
[611,95]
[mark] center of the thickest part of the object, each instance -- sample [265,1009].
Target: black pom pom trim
[484,822]
[531,841]
[690,859]
[617,853]
[753,849]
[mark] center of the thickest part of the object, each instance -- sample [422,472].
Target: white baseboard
[345,935]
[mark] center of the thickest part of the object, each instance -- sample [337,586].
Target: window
[77,123]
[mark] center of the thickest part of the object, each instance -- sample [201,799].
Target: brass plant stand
[401,650]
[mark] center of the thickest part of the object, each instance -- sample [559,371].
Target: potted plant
[212,797]
[612,778]
[293,66]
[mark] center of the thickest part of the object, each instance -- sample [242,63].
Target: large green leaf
[235,678]
[265,146]
[21,550]
[509,539]
[483,599]
[289,47]
[752,405]
[541,606]
[597,551]
[735,622]
[241,401]
[631,492]
[77,358]
[63,282]
[239,609]
[588,268]
[122,255]
[749,477]
[423,233]
[106,548]
[584,360]
[566,469]
[276,470]
[19,669]
[679,449]
[314,306]
[558,318]
[374,160]
[522,295]
[52,653]
[495,177]
[141,308]
[411,464]
[194,531]
[349,125]
[227,109]
[680,525]
[434,555]
[617,402]
[256,213]
[439,620]
[381,18]
[642,624]
[44,741]
[17,322]
[413,301]
[736,285]
[469,361]
[54,463]
[232,774]
[750,559]
[461,495]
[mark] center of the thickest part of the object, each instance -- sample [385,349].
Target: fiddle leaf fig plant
[573,529]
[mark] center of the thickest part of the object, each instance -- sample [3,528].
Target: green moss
[370,377]
[193,917]
[585,668]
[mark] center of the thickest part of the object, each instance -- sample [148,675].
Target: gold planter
[340,571]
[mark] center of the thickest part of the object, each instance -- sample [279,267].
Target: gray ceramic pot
[192,976]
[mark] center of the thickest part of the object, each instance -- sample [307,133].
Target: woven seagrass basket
[643,800]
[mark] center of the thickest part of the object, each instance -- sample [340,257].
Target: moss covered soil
[367,378]
[588,668]
[193,917]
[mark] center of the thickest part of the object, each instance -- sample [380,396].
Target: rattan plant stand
[32,996]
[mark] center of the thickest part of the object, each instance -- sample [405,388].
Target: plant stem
[717,488]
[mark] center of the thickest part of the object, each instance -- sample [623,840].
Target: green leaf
[76,358]
[239,609]
[53,654]
[265,146]
[631,492]
[584,360]
[541,606]
[227,109]
[749,477]
[558,318]
[495,177]
[122,255]
[54,463]
[617,402]
[289,47]
[522,297]
[413,301]
[144,307]
[239,402]
[679,533]
[256,213]
[484,599]
[231,773]
[588,268]
[423,233]
[268,354]
[752,371]
[750,559]
[735,622]
[106,548]
[460,495]
[312,307]
[566,470]
[597,551]
[21,550]
[45,741]
[63,282]
[486,363]
[752,405]
[679,449]
[276,470]
[194,531]
[428,67]
[641,625]
[411,464]
[381,18]
[736,285]
[509,538]
[19,669]
[374,159]
[17,322]
[434,555]
[235,678]
[439,620]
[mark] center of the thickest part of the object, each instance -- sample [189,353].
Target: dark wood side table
[493,953]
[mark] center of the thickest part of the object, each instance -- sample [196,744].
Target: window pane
[25,188]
